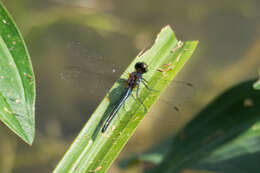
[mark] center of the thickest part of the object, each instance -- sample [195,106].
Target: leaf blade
[94,151]
[17,84]
[224,125]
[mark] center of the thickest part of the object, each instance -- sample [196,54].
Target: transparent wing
[170,106]
[85,79]
[90,74]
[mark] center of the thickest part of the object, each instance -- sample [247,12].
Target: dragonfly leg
[144,81]
[138,98]
[124,106]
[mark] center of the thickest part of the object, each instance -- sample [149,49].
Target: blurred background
[79,48]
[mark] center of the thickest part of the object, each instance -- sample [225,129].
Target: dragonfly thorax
[134,79]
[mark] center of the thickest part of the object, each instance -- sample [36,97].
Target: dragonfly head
[141,67]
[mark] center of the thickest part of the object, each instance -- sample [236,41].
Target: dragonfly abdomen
[122,100]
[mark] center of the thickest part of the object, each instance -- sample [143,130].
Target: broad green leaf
[239,156]
[256,85]
[224,137]
[17,85]
[153,156]
[93,151]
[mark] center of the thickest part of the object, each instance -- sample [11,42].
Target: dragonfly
[133,82]
[92,75]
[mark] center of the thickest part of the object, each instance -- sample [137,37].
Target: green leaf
[256,85]
[240,155]
[153,156]
[95,151]
[17,85]
[224,137]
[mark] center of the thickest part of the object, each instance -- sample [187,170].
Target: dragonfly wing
[171,103]
[87,71]
[81,78]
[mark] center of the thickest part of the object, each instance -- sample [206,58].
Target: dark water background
[228,53]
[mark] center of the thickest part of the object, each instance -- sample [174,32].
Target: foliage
[17,85]
[94,151]
[223,137]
